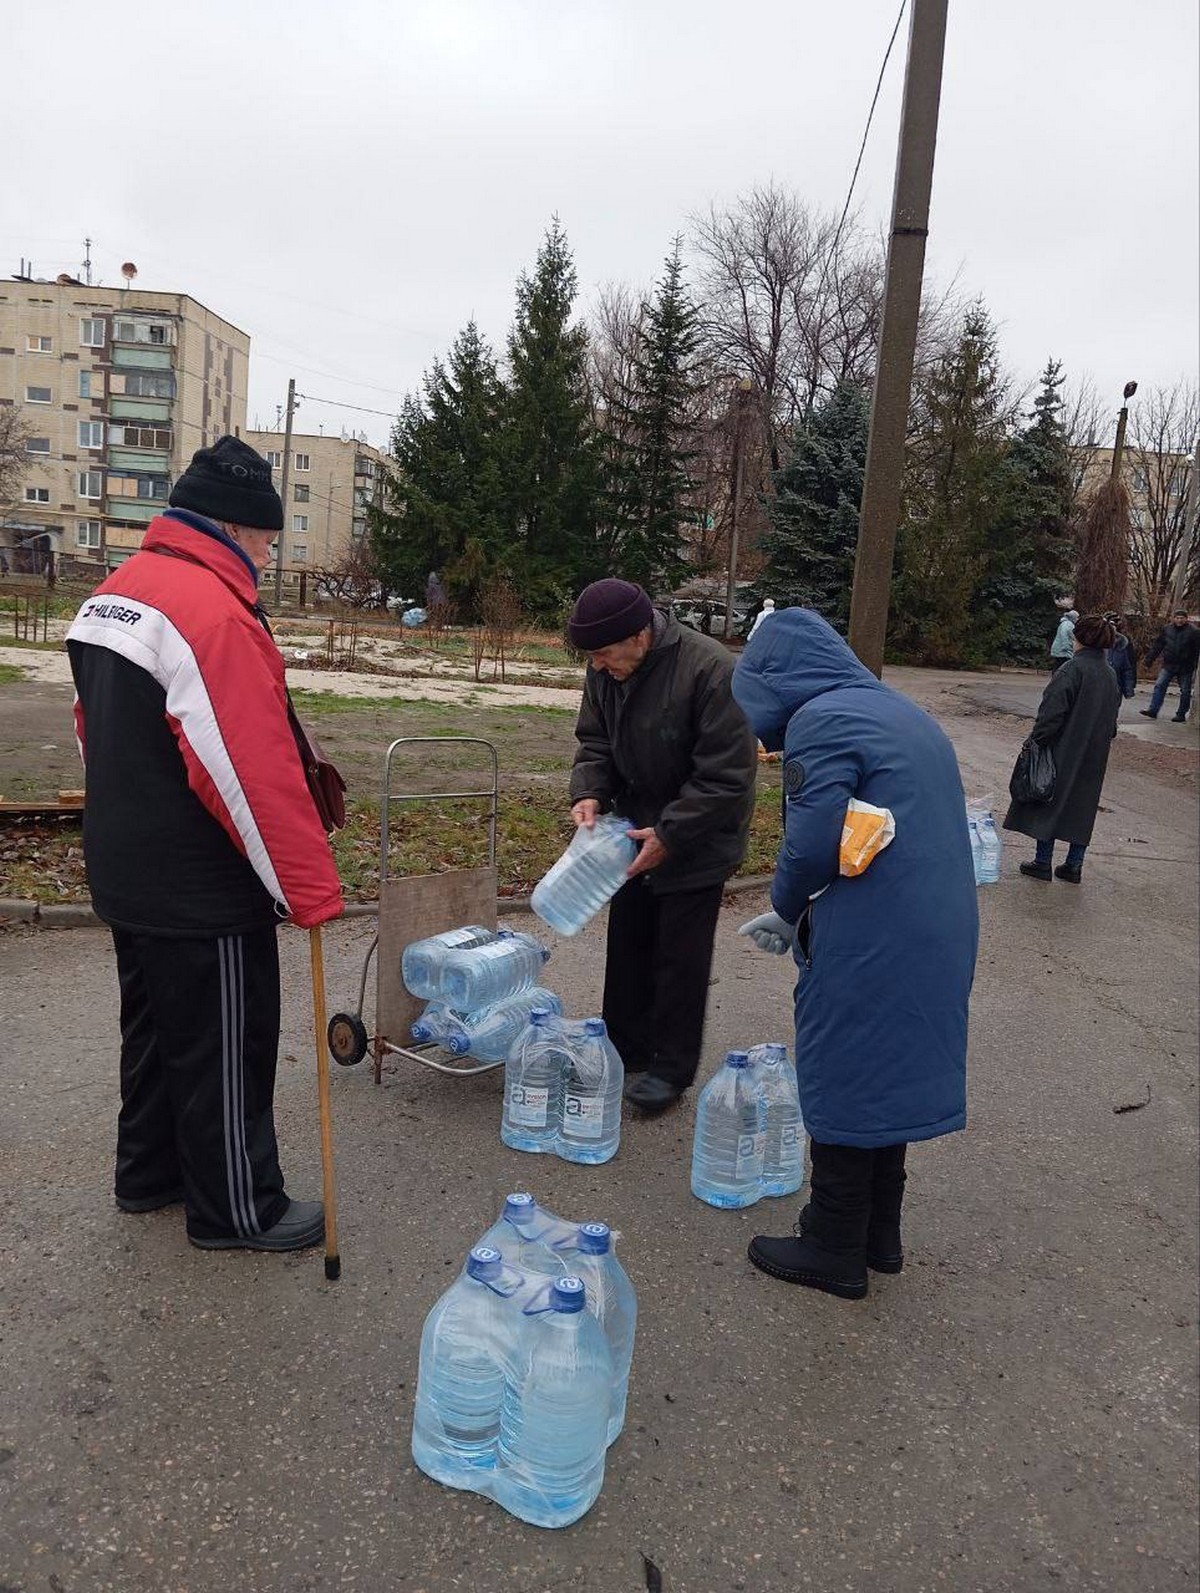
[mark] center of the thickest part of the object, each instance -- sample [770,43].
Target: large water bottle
[490,1033]
[555,1412]
[613,1301]
[533,1086]
[783,1153]
[422,961]
[731,1134]
[593,1078]
[528,1236]
[479,976]
[465,1346]
[591,870]
[976,844]
[436,1024]
[990,847]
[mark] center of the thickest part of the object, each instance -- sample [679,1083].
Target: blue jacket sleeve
[821,772]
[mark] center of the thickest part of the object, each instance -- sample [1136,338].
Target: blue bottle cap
[484,1263]
[595,1026]
[737,1059]
[518,1206]
[568,1294]
[595,1238]
[540,1014]
[506,934]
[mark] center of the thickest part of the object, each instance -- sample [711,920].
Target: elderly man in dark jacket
[1178,646]
[662,742]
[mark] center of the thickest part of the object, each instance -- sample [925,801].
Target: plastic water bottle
[783,1155]
[436,1024]
[461,1378]
[527,1236]
[593,1078]
[990,847]
[731,1134]
[533,1086]
[612,1299]
[422,962]
[490,1033]
[479,976]
[555,1412]
[590,871]
[976,844]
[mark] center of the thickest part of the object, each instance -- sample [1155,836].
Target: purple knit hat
[608,611]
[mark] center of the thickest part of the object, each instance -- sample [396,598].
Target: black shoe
[1146,714]
[651,1094]
[301,1226]
[884,1253]
[803,1262]
[1071,875]
[1179,719]
[1037,871]
[168,1197]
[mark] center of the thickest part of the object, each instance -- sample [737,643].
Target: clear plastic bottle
[527,1235]
[533,1086]
[591,870]
[555,1412]
[612,1299]
[976,845]
[990,848]
[436,1024]
[422,962]
[480,976]
[783,1154]
[731,1133]
[461,1378]
[490,1033]
[593,1079]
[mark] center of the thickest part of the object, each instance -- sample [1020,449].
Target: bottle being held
[783,1152]
[591,870]
[533,1085]
[480,976]
[593,1079]
[731,1133]
[490,1033]
[422,961]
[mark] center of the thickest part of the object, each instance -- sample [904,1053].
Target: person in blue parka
[886,958]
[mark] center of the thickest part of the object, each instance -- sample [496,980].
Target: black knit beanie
[1093,630]
[230,482]
[608,611]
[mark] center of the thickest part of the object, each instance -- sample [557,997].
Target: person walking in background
[1077,721]
[1178,645]
[764,613]
[1062,647]
[886,959]
[1120,656]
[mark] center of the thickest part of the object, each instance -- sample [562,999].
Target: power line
[311,398]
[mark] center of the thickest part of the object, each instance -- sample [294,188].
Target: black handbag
[1033,775]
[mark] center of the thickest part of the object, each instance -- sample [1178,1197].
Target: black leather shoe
[884,1250]
[301,1226]
[1179,719]
[168,1197]
[651,1094]
[1071,875]
[1037,871]
[1146,714]
[800,1261]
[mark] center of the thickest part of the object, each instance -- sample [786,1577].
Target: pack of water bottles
[591,871]
[749,1138]
[562,1089]
[480,986]
[524,1369]
[986,846]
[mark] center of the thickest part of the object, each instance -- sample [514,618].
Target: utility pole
[744,388]
[283,490]
[1122,422]
[1189,530]
[882,482]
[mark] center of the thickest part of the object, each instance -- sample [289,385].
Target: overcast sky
[350,182]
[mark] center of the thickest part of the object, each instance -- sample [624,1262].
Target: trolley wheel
[347,1037]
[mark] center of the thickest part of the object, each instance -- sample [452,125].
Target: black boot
[885,1253]
[831,1253]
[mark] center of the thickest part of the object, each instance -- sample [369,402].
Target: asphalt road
[1016,1410]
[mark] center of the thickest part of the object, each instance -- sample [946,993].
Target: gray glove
[769,933]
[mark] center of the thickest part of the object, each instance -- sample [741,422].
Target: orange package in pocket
[865,833]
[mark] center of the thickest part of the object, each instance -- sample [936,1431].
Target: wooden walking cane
[333,1260]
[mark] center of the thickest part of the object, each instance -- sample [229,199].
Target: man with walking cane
[200,834]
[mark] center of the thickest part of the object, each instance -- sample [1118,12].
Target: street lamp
[1122,418]
[744,388]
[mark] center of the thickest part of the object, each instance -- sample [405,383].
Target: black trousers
[199,1039]
[656,976]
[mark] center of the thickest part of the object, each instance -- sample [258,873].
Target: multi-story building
[118,387]
[331,483]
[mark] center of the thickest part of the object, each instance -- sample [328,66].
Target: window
[87,533]
[141,332]
[37,445]
[152,486]
[91,333]
[38,395]
[358,528]
[299,522]
[127,436]
[91,484]
[85,384]
[91,434]
[301,461]
[301,492]
[300,551]
[275,460]
[149,384]
[36,344]
[37,494]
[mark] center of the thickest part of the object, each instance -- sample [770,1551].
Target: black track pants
[199,1038]
[656,976]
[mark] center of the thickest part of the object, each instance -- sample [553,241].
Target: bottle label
[789,1136]
[750,1152]
[528,1106]
[583,1116]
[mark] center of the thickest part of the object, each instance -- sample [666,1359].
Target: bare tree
[1163,428]
[1104,541]
[501,615]
[15,461]
[354,578]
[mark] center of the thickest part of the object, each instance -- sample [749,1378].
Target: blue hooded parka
[886,958]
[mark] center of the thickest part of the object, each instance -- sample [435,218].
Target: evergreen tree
[813,531]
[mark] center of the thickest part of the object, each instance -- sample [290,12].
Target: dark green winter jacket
[669,747]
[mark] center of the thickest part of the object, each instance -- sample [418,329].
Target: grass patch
[329,702]
[10,674]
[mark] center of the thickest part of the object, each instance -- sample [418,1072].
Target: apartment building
[118,388]
[331,482]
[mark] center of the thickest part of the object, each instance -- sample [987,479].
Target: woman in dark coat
[1077,721]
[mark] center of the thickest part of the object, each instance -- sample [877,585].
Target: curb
[75,915]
